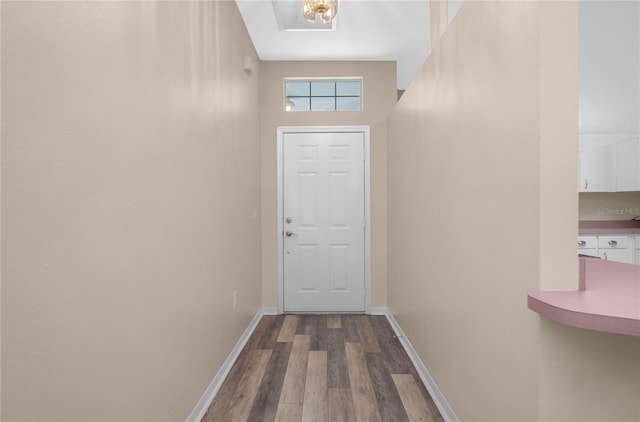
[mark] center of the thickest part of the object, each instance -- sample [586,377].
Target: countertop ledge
[607,299]
[586,227]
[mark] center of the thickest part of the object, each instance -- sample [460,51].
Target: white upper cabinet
[609,99]
[610,167]
[596,172]
[627,165]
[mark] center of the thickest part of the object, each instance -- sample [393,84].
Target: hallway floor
[323,368]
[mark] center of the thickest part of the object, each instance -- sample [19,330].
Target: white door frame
[282,130]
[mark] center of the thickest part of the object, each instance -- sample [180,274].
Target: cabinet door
[615,248]
[587,245]
[627,164]
[596,169]
[618,255]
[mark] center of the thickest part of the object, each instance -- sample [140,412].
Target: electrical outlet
[235,299]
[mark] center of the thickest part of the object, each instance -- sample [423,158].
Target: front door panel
[323,210]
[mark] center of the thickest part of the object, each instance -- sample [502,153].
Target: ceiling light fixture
[289,105]
[325,9]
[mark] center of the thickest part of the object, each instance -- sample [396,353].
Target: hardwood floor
[323,368]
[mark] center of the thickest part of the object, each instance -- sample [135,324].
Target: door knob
[289,233]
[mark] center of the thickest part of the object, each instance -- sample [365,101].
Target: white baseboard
[270,311]
[205,401]
[378,310]
[438,398]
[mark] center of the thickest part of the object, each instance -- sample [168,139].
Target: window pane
[348,88]
[348,103]
[300,104]
[297,89]
[323,103]
[323,89]
[323,95]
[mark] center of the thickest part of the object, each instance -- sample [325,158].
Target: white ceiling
[378,30]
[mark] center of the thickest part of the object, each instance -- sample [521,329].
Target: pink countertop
[608,226]
[608,299]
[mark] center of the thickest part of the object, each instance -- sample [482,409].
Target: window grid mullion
[335,97]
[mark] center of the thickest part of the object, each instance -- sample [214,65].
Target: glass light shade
[325,9]
[289,105]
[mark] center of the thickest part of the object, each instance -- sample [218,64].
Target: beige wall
[130,205]
[482,208]
[460,168]
[379,98]
[609,206]
[587,375]
[558,127]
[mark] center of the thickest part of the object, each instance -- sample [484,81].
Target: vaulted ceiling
[378,30]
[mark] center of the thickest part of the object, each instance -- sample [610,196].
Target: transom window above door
[323,94]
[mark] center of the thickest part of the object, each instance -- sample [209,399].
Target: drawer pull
[613,243]
[582,243]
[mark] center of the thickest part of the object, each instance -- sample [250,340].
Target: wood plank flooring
[329,368]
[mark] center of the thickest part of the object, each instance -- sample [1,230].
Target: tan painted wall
[130,205]
[587,375]
[609,206]
[461,171]
[558,127]
[379,86]
[483,208]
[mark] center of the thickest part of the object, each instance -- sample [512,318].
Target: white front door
[324,222]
